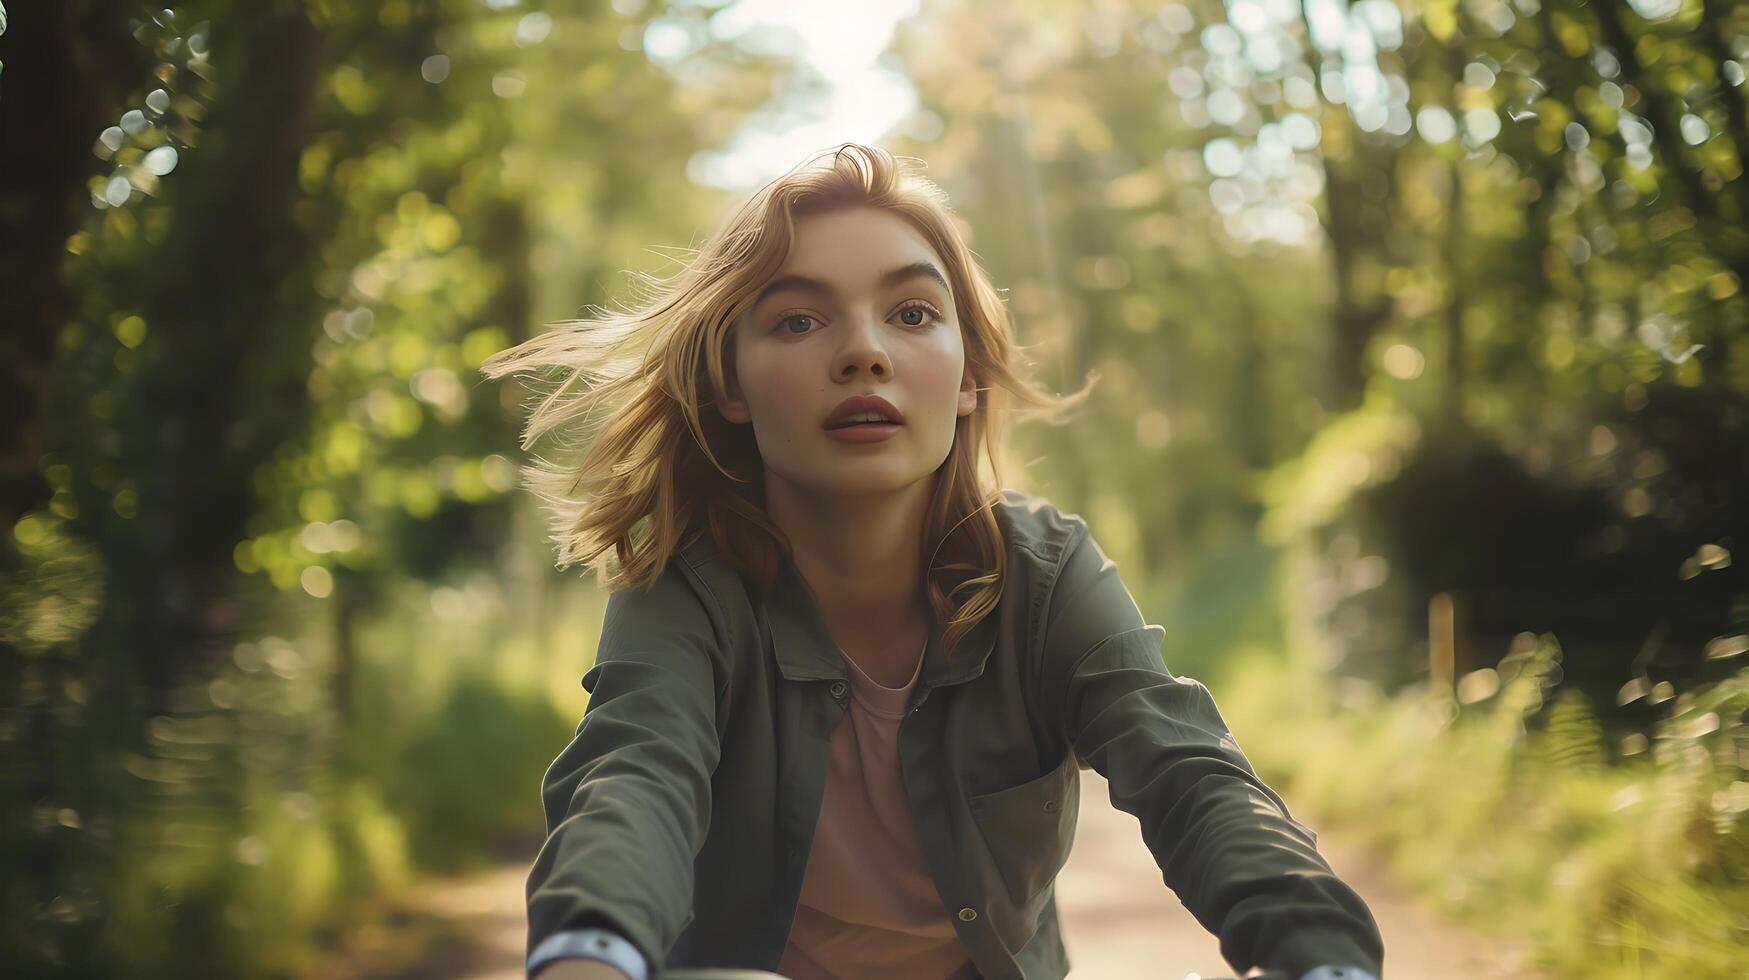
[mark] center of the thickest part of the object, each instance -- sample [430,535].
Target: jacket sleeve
[1225,842]
[628,801]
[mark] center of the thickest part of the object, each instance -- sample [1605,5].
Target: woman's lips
[864,432]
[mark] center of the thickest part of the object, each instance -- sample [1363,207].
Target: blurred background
[1422,430]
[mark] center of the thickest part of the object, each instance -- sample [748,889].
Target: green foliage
[1357,449]
[303,227]
[249,894]
[464,776]
[1613,871]
[1216,608]
[257,836]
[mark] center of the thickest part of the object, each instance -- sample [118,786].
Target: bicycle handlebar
[707,973]
[741,973]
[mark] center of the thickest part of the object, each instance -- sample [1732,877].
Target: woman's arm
[1224,841]
[628,801]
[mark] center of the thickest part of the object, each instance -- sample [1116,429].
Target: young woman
[846,684]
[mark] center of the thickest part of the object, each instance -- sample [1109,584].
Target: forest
[1422,423]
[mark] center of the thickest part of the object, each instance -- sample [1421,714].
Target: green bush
[1638,869]
[472,771]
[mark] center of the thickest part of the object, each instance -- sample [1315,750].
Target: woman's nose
[862,349]
[873,362]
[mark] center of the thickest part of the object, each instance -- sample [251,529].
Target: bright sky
[839,42]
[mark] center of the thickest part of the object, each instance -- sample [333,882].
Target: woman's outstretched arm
[1224,841]
[628,801]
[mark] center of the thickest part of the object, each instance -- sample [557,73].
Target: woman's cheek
[781,394]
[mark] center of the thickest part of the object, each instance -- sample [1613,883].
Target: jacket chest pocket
[1030,827]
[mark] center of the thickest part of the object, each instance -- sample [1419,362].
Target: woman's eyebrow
[920,269]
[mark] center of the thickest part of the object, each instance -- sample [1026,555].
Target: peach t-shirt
[868,906]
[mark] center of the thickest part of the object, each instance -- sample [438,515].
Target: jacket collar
[805,650]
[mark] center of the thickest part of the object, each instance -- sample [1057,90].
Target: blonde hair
[656,460]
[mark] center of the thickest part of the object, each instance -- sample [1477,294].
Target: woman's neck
[862,555]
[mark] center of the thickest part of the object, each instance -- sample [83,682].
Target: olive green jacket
[681,814]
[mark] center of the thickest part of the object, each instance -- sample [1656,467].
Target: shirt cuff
[591,944]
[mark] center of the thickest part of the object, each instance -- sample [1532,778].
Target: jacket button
[1050,806]
[968,914]
[838,689]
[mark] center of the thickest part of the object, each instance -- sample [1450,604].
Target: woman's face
[858,308]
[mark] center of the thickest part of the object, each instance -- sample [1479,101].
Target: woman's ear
[733,409]
[730,405]
[968,394]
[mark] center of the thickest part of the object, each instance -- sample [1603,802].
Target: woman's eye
[924,315]
[911,316]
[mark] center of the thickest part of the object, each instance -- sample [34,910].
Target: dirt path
[1119,918]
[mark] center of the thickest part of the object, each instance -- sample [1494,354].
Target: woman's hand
[580,969]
